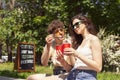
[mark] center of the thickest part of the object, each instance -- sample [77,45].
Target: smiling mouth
[59,37]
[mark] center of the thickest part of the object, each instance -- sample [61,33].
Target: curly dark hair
[77,39]
[55,24]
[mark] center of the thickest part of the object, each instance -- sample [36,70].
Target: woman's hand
[70,51]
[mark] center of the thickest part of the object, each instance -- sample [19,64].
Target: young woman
[86,50]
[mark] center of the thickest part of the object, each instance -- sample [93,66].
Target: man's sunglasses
[59,29]
[76,25]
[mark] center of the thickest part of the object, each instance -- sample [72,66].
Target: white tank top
[86,51]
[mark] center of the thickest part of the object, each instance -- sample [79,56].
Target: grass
[7,69]
[108,76]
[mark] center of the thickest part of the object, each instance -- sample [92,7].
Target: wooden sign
[25,57]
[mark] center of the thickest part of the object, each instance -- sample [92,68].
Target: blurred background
[27,21]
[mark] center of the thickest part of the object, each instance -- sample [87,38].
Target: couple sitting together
[81,60]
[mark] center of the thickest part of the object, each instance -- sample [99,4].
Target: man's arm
[45,55]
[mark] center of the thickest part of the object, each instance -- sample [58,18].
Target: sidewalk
[8,78]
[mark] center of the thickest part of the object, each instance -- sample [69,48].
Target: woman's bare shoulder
[94,38]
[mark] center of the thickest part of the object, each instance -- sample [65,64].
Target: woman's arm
[72,60]
[96,62]
[97,54]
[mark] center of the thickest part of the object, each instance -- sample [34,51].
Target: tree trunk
[11,4]
[0,50]
[9,51]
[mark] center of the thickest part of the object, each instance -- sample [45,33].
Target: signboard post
[25,59]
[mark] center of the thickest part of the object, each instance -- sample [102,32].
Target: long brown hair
[77,39]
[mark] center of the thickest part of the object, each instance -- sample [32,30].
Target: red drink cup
[58,47]
[67,45]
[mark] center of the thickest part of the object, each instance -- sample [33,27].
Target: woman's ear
[86,23]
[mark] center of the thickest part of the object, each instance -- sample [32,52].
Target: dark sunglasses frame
[76,25]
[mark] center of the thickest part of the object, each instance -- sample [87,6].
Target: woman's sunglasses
[76,25]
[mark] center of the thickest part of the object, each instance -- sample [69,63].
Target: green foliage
[110,49]
[8,26]
[39,20]
[29,19]
[56,9]
[104,13]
